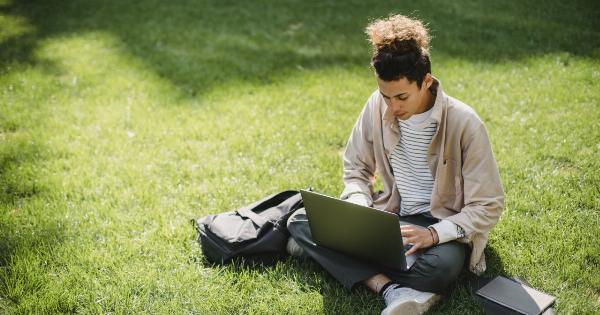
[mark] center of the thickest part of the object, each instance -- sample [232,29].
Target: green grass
[120,121]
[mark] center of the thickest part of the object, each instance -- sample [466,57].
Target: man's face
[405,98]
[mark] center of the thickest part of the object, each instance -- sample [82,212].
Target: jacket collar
[438,105]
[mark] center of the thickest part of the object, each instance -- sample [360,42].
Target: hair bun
[398,33]
[402,46]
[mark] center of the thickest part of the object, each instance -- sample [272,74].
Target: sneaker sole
[412,307]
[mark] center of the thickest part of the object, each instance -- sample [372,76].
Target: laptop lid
[364,232]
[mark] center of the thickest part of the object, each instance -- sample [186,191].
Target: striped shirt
[409,163]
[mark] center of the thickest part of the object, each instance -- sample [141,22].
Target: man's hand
[420,237]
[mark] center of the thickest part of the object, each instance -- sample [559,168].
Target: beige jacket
[467,189]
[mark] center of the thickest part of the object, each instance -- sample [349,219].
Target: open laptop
[360,231]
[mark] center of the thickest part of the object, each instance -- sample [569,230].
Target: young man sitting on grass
[435,160]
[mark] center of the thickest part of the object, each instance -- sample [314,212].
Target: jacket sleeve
[482,188]
[359,158]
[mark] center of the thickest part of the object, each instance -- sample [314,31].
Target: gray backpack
[254,234]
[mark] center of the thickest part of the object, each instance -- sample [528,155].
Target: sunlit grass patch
[119,122]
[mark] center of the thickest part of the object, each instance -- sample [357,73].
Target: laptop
[366,233]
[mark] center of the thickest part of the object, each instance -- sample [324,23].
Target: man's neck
[428,101]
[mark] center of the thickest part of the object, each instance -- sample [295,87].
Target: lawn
[122,120]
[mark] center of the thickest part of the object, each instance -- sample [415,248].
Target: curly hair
[400,48]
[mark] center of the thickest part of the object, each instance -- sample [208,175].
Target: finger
[407,227]
[413,249]
[407,231]
[409,240]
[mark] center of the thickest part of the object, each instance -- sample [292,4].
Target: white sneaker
[293,248]
[410,301]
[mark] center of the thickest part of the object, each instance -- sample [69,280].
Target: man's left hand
[420,237]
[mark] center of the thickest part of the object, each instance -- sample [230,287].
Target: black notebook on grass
[516,296]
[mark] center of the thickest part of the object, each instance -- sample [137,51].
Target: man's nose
[395,104]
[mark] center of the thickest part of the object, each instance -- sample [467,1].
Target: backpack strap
[250,211]
[249,214]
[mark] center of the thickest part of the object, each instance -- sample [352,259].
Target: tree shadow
[201,45]
[28,235]
[13,186]
[27,241]
[308,276]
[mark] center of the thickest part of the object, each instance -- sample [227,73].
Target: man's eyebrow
[392,96]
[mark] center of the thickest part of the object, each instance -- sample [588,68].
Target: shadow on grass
[16,156]
[309,276]
[27,240]
[201,45]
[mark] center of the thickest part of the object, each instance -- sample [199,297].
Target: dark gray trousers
[432,272]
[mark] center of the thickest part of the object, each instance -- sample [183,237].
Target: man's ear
[428,80]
